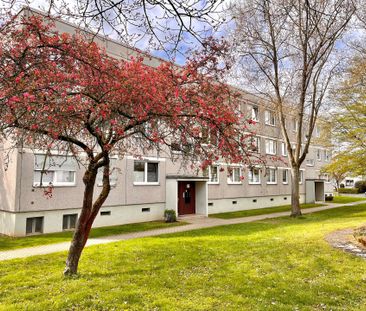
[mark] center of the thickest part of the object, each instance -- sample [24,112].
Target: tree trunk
[295,192]
[88,213]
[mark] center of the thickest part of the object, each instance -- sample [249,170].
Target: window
[271,174]
[113,173]
[209,136]
[270,118]
[301,177]
[284,149]
[255,144]
[295,125]
[34,225]
[326,177]
[285,176]
[180,148]
[317,131]
[146,172]
[326,155]
[69,221]
[318,154]
[213,174]
[105,213]
[350,182]
[255,113]
[54,170]
[254,176]
[310,162]
[234,175]
[271,146]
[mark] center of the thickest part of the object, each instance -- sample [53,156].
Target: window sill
[112,185]
[234,183]
[54,185]
[285,183]
[273,125]
[213,183]
[271,183]
[271,153]
[255,183]
[146,183]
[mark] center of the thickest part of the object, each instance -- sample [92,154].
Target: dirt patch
[344,239]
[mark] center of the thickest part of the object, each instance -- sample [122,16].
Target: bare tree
[288,51]
[167,25]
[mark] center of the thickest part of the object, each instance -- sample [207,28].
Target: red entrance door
[186,198]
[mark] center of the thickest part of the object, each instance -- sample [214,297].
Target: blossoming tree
[61,91]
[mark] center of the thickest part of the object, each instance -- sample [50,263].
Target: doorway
[186,197]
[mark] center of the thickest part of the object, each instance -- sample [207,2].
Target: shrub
[341,186]
[329,197]
[361,185]
[170,215]
[348,190]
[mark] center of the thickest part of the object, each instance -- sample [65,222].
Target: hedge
[349,190]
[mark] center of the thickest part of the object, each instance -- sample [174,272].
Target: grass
[260,211]
[346,199]
[274,264]
[8,243]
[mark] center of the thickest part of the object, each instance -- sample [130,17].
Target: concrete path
[195,222]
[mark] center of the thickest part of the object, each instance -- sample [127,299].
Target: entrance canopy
[187,194]
[314,190]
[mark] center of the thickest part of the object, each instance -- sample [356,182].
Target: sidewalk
[194,223]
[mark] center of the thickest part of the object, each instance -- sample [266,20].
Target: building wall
[20,199]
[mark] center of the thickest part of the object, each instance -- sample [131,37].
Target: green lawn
[261,211]
[346,199]
[274,264]
[7,243]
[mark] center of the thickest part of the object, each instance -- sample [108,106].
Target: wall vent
[285,198]
[145,209]
[255,201]
[210,204]
[235,202]
[105,213]
[272,199]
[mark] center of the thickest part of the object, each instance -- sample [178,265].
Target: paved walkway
[195,222]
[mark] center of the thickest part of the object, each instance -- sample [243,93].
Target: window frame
[54,183]
[34,225]
[287,176]
[231,170]
[68,216]
[257,145]
[145,182]
[113,170]
[210,182]
[251,175]
[284,149]
[319,154]
[269,116]
[268,140]
[268,175]
[301,176]
[254,113]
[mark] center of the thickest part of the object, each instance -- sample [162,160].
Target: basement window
[69,221]
[34,225]
[145,210]
[105,213]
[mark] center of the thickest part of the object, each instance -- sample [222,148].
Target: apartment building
[143,188]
